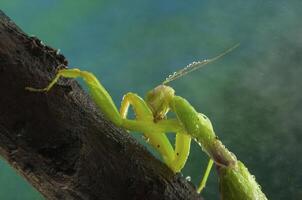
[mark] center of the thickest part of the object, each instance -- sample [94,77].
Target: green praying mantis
[235,181]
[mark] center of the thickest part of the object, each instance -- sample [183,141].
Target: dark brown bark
[58,140]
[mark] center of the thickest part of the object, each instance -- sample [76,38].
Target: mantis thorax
[158,100]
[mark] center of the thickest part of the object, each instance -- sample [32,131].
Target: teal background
[252,95]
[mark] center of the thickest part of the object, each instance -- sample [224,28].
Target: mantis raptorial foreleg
[174,159]
[182,151]
[159,141]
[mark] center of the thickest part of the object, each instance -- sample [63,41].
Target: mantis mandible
[235,181]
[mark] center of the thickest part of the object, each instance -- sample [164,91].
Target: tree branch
[60,142]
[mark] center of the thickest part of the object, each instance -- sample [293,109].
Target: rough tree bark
[60,142]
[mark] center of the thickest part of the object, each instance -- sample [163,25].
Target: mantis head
[158,100]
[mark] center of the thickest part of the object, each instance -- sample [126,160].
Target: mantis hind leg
[159,141]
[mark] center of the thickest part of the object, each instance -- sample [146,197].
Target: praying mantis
[235,181]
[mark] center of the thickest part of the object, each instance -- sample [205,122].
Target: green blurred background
[252,95]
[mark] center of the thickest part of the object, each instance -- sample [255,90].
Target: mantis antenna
[196,65]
